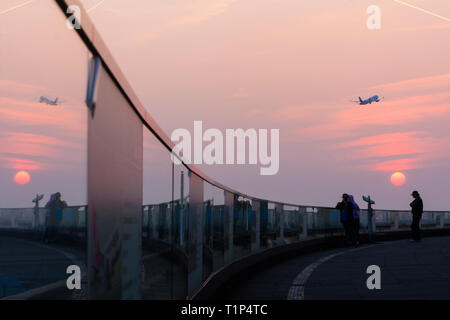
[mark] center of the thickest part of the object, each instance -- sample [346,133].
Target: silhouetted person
[356,211]
[346,210]
[416,210]
[53,216]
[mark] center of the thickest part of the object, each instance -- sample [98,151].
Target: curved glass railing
[170,262]
[189,225]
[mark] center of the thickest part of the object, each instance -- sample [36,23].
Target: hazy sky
[286,64]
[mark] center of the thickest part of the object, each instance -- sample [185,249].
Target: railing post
[167,221]
[255,226]
[279,216]
[228,227]
[442,220]
[181,218]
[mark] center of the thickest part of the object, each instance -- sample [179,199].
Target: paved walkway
[408,271]
[27,264]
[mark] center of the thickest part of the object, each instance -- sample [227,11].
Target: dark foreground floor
[31,269]
[408,271]
[26,265]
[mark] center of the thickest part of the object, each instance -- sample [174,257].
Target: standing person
[356,211]
[346,210]
[53,216]
[416,210]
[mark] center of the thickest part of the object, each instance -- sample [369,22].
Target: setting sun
[22,177]
[398,179]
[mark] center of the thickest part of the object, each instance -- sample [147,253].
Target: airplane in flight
[362,102]
[50,102]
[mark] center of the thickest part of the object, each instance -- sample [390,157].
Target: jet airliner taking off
[46,100]
[362,102]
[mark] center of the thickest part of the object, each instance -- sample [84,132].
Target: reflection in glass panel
[180,230]
[214,217]
[157,215]
[292,222]
[241,227]
[43,146]
[268,225]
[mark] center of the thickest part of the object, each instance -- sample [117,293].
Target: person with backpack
[346,214]
[53,216]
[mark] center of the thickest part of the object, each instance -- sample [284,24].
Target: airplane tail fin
[360,100]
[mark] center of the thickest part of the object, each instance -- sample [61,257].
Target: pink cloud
[387,145]
[18,150]
[400,111]
[32,144]
[410,149]
[346,123]
[413,85]
[20,164]
[396,165]
[23,112]
[413,150]
[19,87]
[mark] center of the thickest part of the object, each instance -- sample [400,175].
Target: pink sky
[286,64]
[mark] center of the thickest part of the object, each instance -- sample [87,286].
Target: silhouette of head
[415,194]
[345,197]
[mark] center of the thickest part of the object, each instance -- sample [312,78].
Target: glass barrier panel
[429,220]
[213,232]
[241,230]
[292,222]
[404,219]
[180,230]
[269,226]
[382,219]
[447,218]
[311,221]
[363,220]
[159,260]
